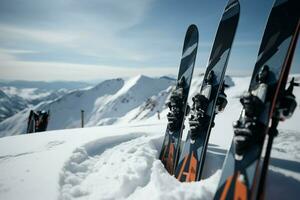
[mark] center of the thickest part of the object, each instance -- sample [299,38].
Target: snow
[120,161]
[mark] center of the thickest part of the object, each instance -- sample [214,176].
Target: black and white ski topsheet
[178,101]
[242,170]
[204,103]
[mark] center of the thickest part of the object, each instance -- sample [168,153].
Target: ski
[178,101]
[210,100]
[31,122]
[246,163]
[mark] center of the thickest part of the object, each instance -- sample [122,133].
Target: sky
[100,39]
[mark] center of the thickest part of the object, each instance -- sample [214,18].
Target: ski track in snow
[50,145]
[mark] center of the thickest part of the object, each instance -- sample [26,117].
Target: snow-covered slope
[103,104]
[121,161]
[135,92]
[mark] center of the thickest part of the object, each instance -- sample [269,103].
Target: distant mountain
[17,95]
[33,96]
[106,103]
[10,106]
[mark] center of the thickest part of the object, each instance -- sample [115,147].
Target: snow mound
[125,167]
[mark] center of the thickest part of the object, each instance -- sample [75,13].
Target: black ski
[266,101]
[31,122]
[211,98]
[178,101]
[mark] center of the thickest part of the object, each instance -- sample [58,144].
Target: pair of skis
[206,103]
[267,100]
[265,104]
[37,121]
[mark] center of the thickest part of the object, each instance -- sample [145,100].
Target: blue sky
[100,39]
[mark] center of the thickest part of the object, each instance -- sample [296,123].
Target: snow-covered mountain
[110,102]
[17,95]
[33,96]
[10,105]
[13,100]
[107,103]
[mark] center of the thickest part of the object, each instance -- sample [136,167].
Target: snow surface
[120,161]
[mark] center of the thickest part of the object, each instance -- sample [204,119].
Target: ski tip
[232,9]
[191,37]
[230,2]
[233,4]
[192,28]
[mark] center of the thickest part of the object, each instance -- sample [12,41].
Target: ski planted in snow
[178,101]
[210,100]
[266,101]
[31,123]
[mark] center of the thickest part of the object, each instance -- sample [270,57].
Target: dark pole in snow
[82,118]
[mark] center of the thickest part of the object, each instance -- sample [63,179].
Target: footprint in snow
[100,160]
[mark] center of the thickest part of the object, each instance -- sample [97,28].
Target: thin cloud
[45,36]
[17,51]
